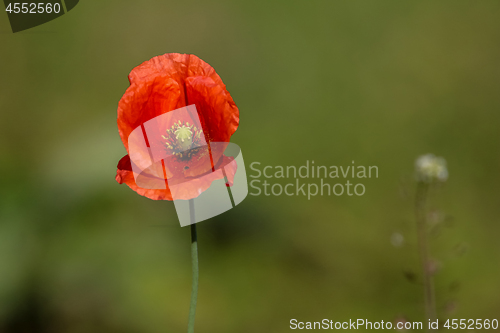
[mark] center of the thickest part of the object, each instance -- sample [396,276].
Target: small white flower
[397,239]
[430,168]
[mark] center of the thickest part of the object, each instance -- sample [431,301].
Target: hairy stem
[423,249]
[195,269]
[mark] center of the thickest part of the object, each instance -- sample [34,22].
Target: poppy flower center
[181,137]
[184,136]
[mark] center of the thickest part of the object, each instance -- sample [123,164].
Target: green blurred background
[377,82]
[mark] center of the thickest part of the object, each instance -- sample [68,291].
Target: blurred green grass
[375,82]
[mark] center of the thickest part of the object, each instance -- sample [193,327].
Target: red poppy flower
[183,106]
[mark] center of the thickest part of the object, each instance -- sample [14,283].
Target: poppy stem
[195,269]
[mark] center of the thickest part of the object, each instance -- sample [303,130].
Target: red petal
[124,175]
[218,113]
[189,189]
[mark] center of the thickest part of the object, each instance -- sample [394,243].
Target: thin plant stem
[423,249]
[195,270]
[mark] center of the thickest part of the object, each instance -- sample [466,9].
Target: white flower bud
[430,168]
